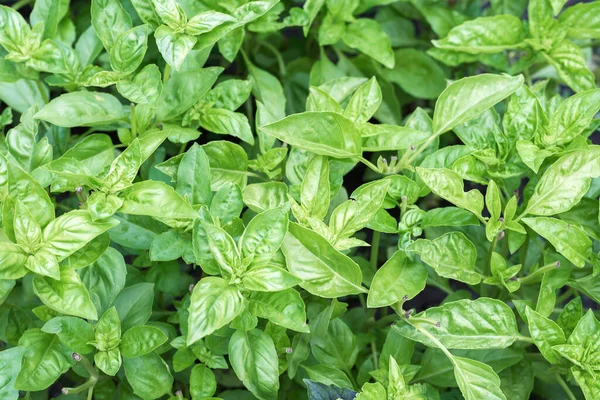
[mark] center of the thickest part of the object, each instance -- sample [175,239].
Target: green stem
[40,87]
[166,73]
[87,385]
[182,148]
[20,4]
[277,54]
[374,354]
[445,289]
[488,265]
[537,274]
[133,122]
[368,164]
[352,379]
[403,205]
[375,250]
[564,385]
[410,156]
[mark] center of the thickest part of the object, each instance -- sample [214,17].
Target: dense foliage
[337,199]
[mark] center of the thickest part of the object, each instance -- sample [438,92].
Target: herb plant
[336,199]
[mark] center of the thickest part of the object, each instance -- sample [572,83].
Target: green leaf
[570,316]
[484,35]
[353,215]
[476,380]
[129,49]
[315,190]
[173,46]
[202,382]
[105,278]
[572,117]
[588,383]
[545,334]
[398,280]
[107,332]
[448,185]
[10,365]
[452,256]
[72,231]
[148,375]
[224,249]
[417,74]
[67,296]
[467,324]
[141,340]
[193,176]
[214,304]
[254,360]
[468,97]
[366,36]
[260,197]
[324,133]
[267,278]
[565,182]
[75,333]
[109,19]
[45,359]
[448,216]
[28,233]
[183,90]
[324,271]
[569,240]
[364,102]
[108,361]
[582,20]
[226,122]
[285,308]
[82,109]
[264,234]
[134,304]
[144,88]
[155,199]
[517,381]
[567,58]
[168,246]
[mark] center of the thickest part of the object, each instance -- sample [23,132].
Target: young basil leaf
[469,97]
[569,240]
[202,382]
[75,333]
[214,304]
[134,304]
[141,340]
[306,130]
[45,359]
[565,182]
[452,255]
[263,235]
[491,325]
[398,280]
[67,296]
[254,360]
[148,375]
[448,185]
[82,109]
[545,334]
[477,380]
[502,32]
[109,19]
[324,271]
[193,176]
[366,36]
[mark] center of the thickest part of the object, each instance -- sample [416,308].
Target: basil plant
[319,200]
